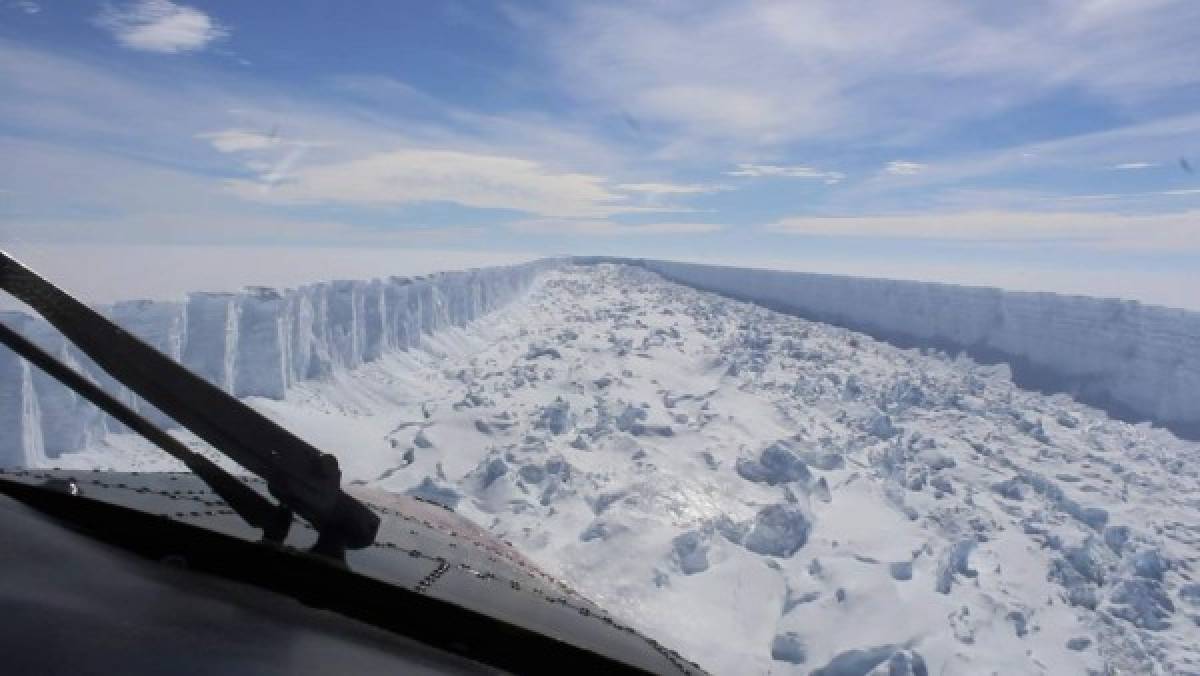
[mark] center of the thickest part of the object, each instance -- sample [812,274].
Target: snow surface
[768,494]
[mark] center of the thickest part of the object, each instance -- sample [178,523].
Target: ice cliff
[1138,362]
[254,343]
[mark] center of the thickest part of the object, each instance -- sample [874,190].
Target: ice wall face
[261,354]
[254,343]
[375,312]
[162,325]
[20,424]
[1136,361]
[43,416]
[346,323]
[210,349]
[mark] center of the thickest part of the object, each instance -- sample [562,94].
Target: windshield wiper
[256,510]
[303,479]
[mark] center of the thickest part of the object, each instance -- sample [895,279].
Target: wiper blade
[256,510]
[300,476]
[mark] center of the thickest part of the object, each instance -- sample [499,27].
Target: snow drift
[254,343]
[1137,362]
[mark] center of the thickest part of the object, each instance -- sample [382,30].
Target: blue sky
[1030,144]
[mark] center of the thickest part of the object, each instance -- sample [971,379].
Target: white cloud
[1179,192]
[1168,232]
[239,140]
[160,26]
[904,168]
[271,156]
[797,171]
[606,228]
[478,161]
[1092,198]
[529,133]
[709,107]
[434,175]
[762,73]
[671,188]
[1128,166]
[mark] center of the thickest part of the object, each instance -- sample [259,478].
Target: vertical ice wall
[162,325]
[254,343]
[21,439]
[68,421]
[1138,362]
[346,323]
[210,347]
[261,363]
[375,311]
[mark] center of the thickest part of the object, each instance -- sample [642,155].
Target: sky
[1031,144]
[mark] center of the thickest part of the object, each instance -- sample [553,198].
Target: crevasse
[1137,362]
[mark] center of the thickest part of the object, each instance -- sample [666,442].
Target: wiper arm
[256,510]
[300,476]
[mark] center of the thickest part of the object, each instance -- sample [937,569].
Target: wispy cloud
[1177,192]
[239,140]
[270,155]
[343,155]
[160,26]
[414,175]
[760,74]
[26,6]
[904,168]
[1074,155]
[1149,232]
[607,228]
[795,171]
[702,83]
[672,188]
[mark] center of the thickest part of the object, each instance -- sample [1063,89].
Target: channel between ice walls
[254,343]
[1137,362]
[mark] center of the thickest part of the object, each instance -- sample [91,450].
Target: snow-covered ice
[767,494]
[1140,362]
